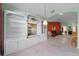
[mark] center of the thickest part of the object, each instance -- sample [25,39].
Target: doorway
[66,27]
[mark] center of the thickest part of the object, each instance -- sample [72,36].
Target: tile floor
[54,46]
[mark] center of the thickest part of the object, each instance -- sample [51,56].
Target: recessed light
[60,13]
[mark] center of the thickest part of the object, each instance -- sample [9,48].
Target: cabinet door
[10,46]
[14,30]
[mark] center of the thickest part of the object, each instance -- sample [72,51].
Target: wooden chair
[74,39]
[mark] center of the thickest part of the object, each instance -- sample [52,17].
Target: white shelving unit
[16,32]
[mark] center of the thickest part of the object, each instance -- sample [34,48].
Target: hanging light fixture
[45,22]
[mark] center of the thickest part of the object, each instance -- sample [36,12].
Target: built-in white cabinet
[10,46]
[16,32]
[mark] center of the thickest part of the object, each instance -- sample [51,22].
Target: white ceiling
[42,9]
[66,17]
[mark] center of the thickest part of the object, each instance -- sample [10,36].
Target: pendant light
[45,22]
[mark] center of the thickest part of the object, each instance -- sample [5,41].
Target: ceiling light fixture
[45,22]
[61,13]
